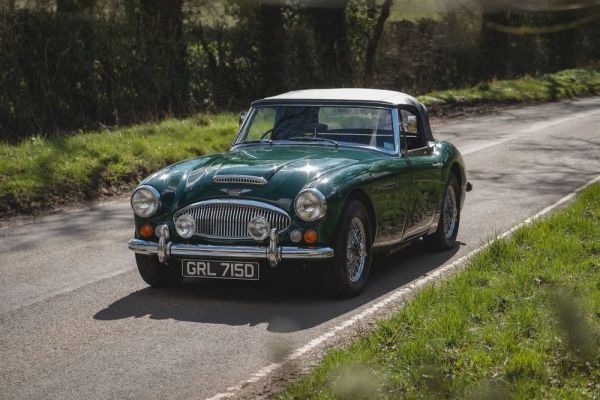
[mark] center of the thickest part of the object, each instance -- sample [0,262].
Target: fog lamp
[296,235]
[259,228]
[185,226]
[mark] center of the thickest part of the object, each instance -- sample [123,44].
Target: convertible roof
[389,97]
[347,95]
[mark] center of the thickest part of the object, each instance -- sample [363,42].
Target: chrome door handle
[437,165]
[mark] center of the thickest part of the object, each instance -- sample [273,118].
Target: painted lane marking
[402,293]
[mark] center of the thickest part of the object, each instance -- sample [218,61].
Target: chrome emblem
[235,192]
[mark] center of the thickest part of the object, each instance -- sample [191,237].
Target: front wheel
[346,274]
[447,230]
[156,274]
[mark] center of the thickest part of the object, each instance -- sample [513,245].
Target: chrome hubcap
[450,212]
[356,250]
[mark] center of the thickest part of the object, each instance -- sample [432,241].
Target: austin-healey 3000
[326,177]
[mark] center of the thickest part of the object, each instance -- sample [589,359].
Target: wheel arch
[457,168]
[362,196]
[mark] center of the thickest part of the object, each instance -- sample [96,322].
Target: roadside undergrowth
[522,321]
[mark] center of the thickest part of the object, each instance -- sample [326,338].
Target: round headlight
[185,226]
[145,201]
[310,205]
[259,228]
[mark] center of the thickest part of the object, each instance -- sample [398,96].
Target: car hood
[286,170]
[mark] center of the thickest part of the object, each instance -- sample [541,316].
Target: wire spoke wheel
[450,212]
[356,250]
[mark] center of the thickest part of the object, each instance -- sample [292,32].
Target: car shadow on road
[287,303]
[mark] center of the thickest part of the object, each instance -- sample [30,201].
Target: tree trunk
[373,42]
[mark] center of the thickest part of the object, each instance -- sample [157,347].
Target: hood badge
[235,192]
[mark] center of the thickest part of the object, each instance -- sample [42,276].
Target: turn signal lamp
[310,236]
[146,231]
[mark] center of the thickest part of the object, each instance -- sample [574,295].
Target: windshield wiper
[312,139]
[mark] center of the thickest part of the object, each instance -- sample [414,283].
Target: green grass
[44,173]
[522,321]
[564,84]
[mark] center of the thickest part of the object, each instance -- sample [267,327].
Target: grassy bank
[522,321]
[549,87]
[44,173]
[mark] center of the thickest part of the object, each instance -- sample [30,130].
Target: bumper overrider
[273,252]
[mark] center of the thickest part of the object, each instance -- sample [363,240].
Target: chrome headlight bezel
[185,226]
[315,197]
[259,228]
[152,197]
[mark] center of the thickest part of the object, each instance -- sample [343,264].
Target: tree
[375,37]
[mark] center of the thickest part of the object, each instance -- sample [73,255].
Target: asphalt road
[76,321]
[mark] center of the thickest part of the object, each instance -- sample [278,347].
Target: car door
[425,166]
[389,190]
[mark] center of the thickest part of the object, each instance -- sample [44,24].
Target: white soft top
[345,94]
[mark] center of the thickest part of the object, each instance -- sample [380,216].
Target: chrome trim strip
[232,252]
[250,203]
[154,192]
[240,179]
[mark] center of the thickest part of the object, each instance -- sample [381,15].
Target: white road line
[402,293]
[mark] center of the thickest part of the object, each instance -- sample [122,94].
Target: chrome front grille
[228,219]
[241,179]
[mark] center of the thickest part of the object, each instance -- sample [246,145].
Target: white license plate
[218,269]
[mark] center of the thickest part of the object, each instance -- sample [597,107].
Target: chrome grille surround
[240,179]
[228,218]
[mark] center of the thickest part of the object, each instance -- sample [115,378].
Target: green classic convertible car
[315,176]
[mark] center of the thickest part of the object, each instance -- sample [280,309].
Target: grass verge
[41,173]
[548,87]
[45,173]
[521,321]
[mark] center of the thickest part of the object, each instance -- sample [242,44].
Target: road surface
[76,321]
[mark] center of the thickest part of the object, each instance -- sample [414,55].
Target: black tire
[444,237]
[338,279]
[156,274]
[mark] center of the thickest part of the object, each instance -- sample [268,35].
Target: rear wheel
[156,274]
[347,273]
[444,237]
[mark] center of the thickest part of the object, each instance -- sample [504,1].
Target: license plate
[218,269]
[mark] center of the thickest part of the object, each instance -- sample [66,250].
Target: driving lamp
[259,228]
[310,205]
[145,201]
[185,225]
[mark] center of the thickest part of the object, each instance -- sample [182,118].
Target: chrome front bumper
[273,253]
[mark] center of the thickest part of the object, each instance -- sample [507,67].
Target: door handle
[437,165]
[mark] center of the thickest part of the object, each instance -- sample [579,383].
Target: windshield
[343,125]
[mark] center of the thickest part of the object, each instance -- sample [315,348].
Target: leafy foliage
[80,67]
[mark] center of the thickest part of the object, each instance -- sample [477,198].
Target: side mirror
[243,115]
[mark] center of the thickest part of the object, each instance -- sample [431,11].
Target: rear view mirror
[243,115]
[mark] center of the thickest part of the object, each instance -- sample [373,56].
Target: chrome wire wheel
[450,212]
[356,250]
